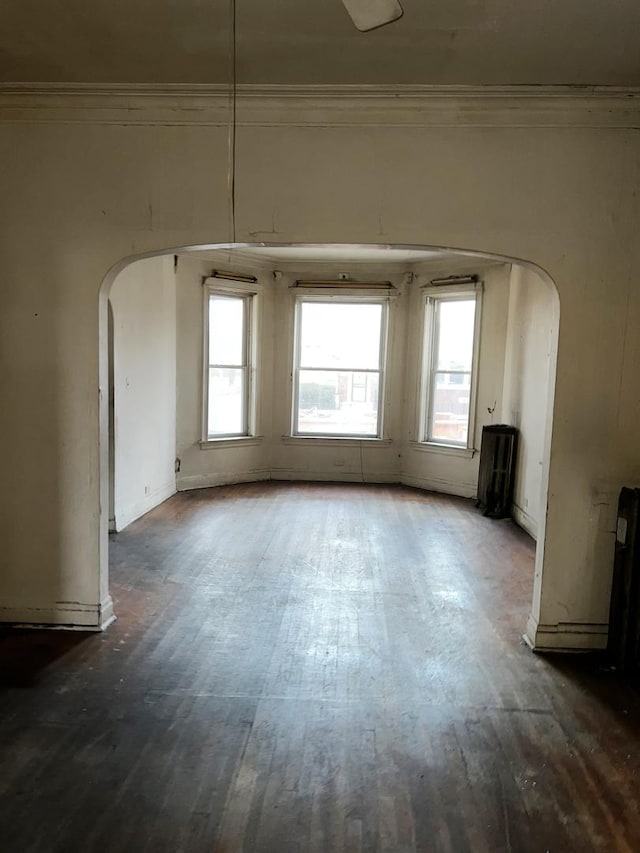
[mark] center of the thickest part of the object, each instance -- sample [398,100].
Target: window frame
[350,298]
[248,295]
[431,297]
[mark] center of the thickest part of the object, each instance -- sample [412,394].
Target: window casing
[228,363]
[450,365]
[338,371]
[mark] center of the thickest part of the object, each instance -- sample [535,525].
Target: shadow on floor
[26,653]
[593,675]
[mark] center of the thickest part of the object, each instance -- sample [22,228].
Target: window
[451,344]
[359,388]
[227,364]
[338,370]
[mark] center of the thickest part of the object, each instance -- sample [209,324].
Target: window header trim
[371,297]
[451,291]
[343,284]
[230,288]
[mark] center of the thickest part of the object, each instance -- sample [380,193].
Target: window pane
[455,341]
[226,327]
[226,401]
[338,335]
[359,388]
[339,402]
[450,413]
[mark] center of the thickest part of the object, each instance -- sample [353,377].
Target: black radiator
[623,645]
[497,470]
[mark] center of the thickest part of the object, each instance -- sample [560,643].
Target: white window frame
[249,296]
[433,296]
[350,299]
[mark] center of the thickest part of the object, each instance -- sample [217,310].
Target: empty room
[275,277]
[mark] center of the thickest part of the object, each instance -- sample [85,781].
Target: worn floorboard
[312,668]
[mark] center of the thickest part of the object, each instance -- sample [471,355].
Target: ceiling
[438,42]
[340,253]
[346,257]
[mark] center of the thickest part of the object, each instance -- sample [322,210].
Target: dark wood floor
[314,668]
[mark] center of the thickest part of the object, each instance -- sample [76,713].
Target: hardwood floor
[305,667]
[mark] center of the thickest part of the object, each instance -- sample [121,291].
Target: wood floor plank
[314,667]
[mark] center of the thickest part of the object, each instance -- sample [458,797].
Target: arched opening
[517,347]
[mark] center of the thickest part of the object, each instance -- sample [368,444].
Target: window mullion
[246,333]
[228,366]
[342,369]
[382,357]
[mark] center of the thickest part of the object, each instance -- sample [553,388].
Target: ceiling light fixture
[371,14]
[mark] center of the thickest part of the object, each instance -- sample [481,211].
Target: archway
[443,259]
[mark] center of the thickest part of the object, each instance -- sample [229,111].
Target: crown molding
[325,106]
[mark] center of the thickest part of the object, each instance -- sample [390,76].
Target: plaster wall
[555,182]
[225,461]
[456,472]
[143,298]
[529,346]
[274,453]
[327,459]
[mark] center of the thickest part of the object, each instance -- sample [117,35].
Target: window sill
[444,449]
[230,441]
[332,441]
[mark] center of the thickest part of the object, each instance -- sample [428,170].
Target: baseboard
[107,615]
[525,521]
[566,636]
[336,476]
[447,487]
[134,511]
[207,481]
[67,615]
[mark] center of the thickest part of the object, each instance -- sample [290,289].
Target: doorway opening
[298,390]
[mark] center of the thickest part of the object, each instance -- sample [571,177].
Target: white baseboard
[447,487]
[566,636]
[337,476]
[128,514]
[68,615]
[526,521]
[207,481]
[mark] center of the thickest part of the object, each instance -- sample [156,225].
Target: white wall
[531,331]
[236,460]
[273,453]
[552,177]
[331,459]
[456,472]
[143,297]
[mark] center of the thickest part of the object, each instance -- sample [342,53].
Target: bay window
[339,366]
[450,365]
[228,367]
